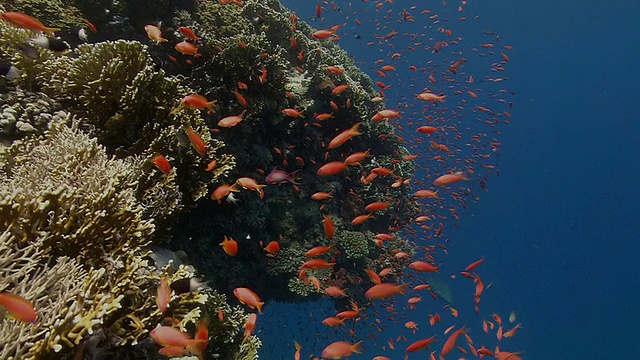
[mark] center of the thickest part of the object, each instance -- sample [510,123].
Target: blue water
[558,226]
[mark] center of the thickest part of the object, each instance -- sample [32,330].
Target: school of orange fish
[446,167]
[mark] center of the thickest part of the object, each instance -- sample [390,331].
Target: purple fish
[278,176]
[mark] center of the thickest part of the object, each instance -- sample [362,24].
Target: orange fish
[333,321]
[188,33]
[164,295]
[512,332]
[292,113]
[319,250]
[384,290]
[202,336]
[263,75]
[322,34]
[92,27]
[249,298]
[329,226]
[339,89]
[448,179]
[332,168]
[171,337]
[340,349]
[154,33]
[345,136]
[161,163]
[25,21]
[251,184]
[297,355]
[321,195]
[249,325]
[187,48]
[423,266]
[318,264]
[212,165]
[335,70]
[360,219]
[385,114]
[451,342]
[384,272]
[377,206]
[240,98]
[19,307]
[323,116]
[196,141]
[357,158]
[335,291]
[427,129]
[195,101]
[420,344]
[474,264]
[229,246]
[427,96]
[272,247]
[426,194]
[230,121]
[222,191]
[373,276]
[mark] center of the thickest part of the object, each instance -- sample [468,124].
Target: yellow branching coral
[133,109]
[72,240]
[67,185]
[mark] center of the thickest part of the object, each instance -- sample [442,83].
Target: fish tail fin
[50,30]
[209,105]
[259,306]
[356,129]
[356,347]
[403,288]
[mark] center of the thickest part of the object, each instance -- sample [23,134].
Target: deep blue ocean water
[558,226]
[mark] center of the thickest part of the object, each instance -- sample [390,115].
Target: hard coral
[72,242]
[132,108]
[354,244]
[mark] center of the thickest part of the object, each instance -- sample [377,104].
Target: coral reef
[266,48]
[63,208]
[85,200]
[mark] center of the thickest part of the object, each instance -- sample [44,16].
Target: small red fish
[230,246]
[196,141]
[328,225]
[164,295]
[272,247]
[332,168]
[195,101]
[322,34]
[154,33]
[188,33]
[19,307]
[249,298]
[26,22]
[161,163]
[187,48]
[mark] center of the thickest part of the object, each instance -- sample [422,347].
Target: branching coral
[132,108]
[72,242]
